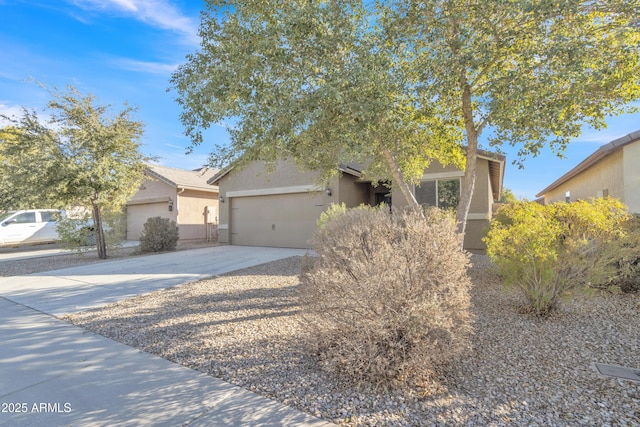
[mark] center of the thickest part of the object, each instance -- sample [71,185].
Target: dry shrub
[388,297]
[159,234]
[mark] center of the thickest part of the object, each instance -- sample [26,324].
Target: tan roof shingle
[183,178]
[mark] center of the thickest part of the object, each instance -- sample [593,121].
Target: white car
[28,226]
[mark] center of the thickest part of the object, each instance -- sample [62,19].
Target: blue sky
[126,50]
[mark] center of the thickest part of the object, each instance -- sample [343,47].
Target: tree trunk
[101,245]
[468,185]
[469,180]
[398,178]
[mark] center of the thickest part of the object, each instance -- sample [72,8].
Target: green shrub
[159,234]
[115,228]
[75,233]
[548,251]
[79,232]
[334,210]
[628,264]
[598,219]
[624,253]
[387,298]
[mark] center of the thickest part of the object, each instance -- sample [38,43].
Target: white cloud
[179,147]
[13,111]
[181,160]
[157,13]
[598,137]
[128,5]
[145,66]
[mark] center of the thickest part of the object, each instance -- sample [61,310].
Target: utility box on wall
[211,214]
[211,220]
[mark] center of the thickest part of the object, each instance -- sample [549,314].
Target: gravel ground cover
[244,327]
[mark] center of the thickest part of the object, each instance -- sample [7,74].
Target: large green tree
[309,81]
[529,73]
[17,177]
[80,156]
[400,83]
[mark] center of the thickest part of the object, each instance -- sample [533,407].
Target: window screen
[448,193]
[426,193]
[442,193]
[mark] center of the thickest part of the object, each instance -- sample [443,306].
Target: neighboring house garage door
[279,220]
[137,215]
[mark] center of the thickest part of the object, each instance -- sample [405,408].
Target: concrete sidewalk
[55,374]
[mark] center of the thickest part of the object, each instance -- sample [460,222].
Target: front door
[383,198]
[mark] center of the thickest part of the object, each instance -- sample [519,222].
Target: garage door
[137,215]
[280,220]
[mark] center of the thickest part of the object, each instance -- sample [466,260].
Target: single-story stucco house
[281,208]
[184,196]
[613,170]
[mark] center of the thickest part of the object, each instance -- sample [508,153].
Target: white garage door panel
[137,215]
[281,220]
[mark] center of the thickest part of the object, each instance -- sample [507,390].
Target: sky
[126,50]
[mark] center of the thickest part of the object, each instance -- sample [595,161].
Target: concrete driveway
[77,289]
[54,373]
[27,252]
[46,250]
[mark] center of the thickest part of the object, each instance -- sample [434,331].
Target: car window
[6,215]
[25,217]
[47,216]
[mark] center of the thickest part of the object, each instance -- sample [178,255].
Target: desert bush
[159,234]
[387,298]
[78,232]
[334,210]
[624,256]
[597,219]
[628,265]
[549,251]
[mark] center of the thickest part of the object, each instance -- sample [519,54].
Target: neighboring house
[183,196]
[611,171]
[280,208]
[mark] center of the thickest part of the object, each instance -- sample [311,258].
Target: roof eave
[211,189]
[595,157]
[496,176]
[350,170]
[217,177]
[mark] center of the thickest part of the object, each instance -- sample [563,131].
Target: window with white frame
[441,193]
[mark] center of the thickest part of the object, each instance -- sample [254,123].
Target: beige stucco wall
[482,199]
[631,171]
[152,199]
[474,233]
[191,213]
[353,193]
[605,174]
[153,189]
[254,176]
